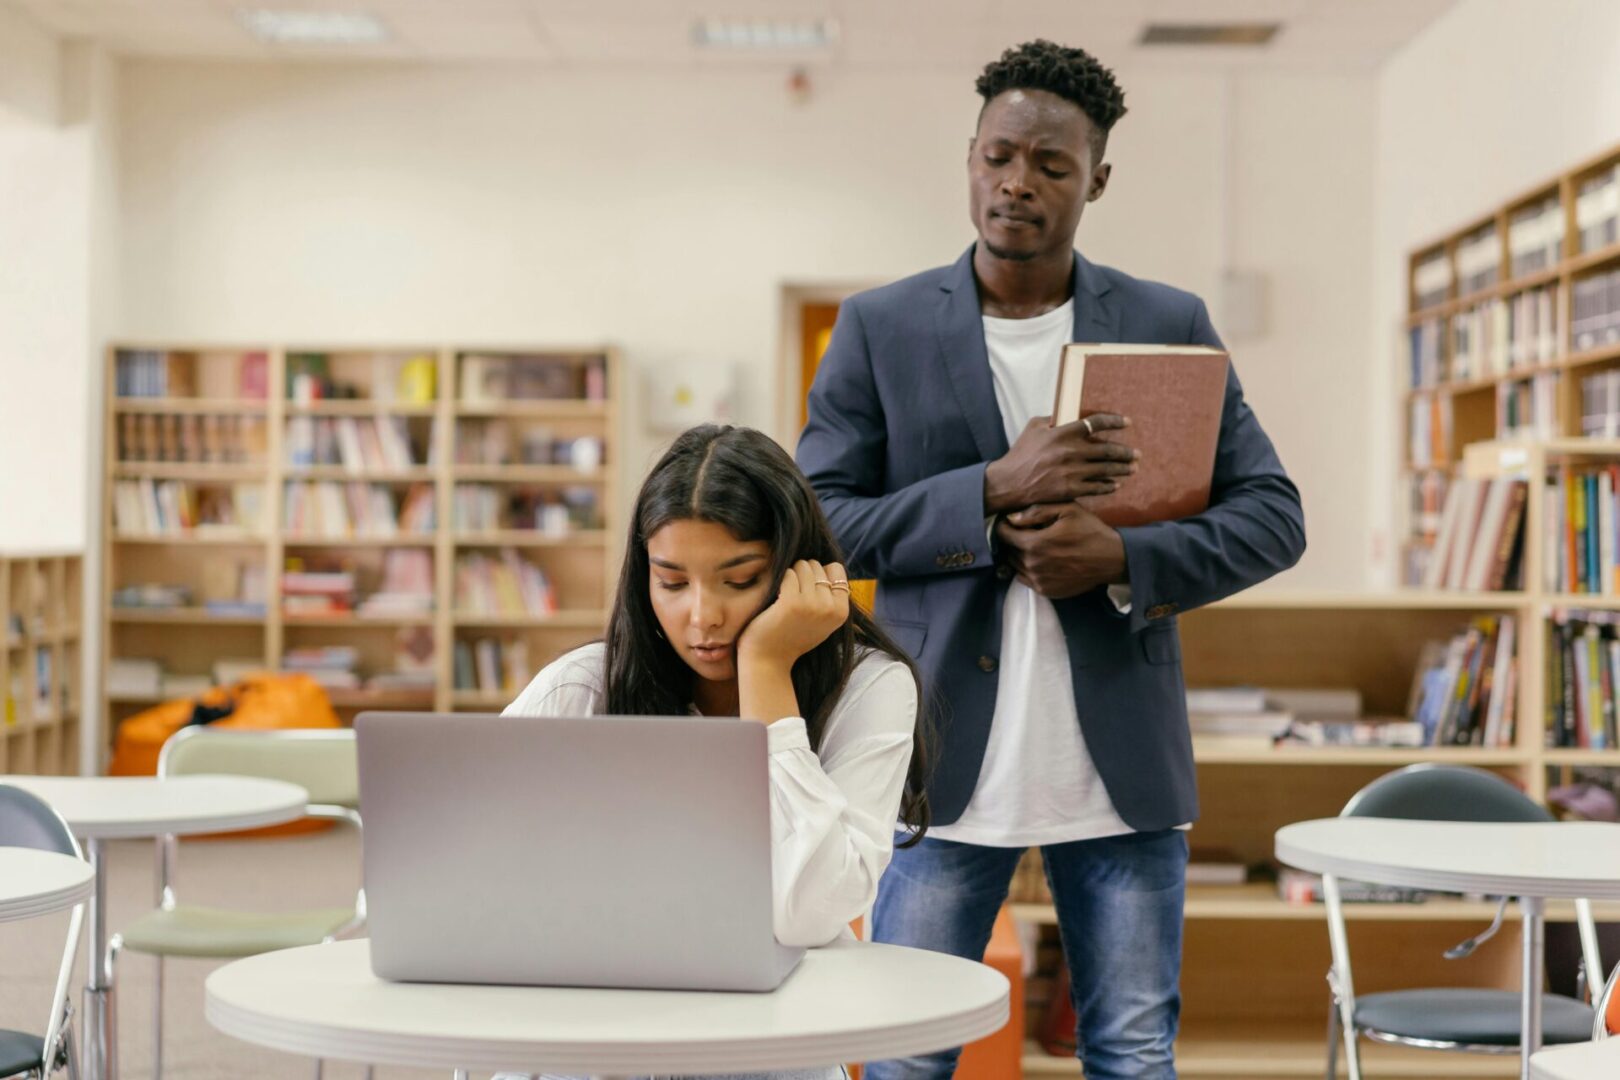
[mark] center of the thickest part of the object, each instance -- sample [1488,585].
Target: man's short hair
[1072,74]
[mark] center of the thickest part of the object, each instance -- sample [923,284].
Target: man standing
[1047,639]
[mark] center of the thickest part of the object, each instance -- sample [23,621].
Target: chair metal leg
[72,1053]
[1333,1040]
[459,1074]
[371,1072]
[157,1023]
[320,1068]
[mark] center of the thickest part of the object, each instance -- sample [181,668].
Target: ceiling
[1316,34]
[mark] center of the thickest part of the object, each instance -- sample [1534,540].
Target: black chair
[28,821]
[1464,1020]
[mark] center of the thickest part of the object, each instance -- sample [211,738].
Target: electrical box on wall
[1242,306]
[683,393]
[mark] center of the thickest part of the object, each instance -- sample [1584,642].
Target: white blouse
[832,816]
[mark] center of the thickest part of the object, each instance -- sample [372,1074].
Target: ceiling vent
[1209,33]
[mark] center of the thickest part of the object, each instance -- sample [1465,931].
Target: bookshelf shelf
[477,699]
[166,470]
[1259,900]
[531,474]
[1363,755]
[184,616]
[562,620]
[420,475]
[40,598]
[1577,264]
[535,410]
[1606,758]
[220,406]
[362,407]
[303,541]
[531,538]
[318,401]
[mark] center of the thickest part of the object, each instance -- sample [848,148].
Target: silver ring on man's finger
[1087,422]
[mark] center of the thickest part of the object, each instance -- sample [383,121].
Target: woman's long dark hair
[740,478]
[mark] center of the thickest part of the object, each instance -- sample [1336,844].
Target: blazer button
[1004,572]
[987,663]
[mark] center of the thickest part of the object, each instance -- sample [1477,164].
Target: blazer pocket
[908,635]
[1161,646]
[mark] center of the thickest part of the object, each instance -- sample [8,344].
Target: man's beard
[1010,256]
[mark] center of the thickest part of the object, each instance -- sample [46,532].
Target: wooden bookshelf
[219,389]
[41,597]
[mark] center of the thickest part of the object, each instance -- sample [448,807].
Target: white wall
[663,211]
[1496,96]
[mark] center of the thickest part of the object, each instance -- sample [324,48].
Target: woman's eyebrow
[727,565]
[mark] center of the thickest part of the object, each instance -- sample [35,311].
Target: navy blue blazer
[903,419]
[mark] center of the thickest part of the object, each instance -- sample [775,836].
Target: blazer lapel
[961,345]
[1096,315]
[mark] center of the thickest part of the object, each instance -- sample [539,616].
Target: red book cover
[1173,396]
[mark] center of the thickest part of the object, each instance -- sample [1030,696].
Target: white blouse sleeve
[571,685]
[833,816]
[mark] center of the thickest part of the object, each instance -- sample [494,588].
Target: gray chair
[28,821]
[323,763]
[1464,1020]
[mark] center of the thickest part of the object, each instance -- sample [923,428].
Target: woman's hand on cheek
[807,610]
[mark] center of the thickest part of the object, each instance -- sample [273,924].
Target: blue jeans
[1119,910]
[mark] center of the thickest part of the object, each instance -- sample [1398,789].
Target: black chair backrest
[1433,792]
[28,821]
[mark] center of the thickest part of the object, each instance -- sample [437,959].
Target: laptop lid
[601,851]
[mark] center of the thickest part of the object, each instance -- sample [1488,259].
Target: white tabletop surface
[850,1001]
[1582,1061]
[1554,859]
[36,882]
[114,807]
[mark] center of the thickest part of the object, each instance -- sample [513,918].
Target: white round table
[1529,861]
[39,882]
[101,808]
[1582,1061]
[850,1001]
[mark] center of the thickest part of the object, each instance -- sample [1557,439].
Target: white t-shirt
[832,813]
[1037,784]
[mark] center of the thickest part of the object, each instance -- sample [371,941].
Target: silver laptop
[630,852]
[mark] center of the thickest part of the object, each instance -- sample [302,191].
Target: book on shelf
[1432,279]
[1383,733]
[1429,430]
[148,507]
[1583,671]
[1423,352]
[1536,237]
[340,510]
[1480,539]
[1479,260]
[1579,538]
[492,666]
[332,666]
[386,378]
[146,373]
[1464,691]
[553,513]
[1215,866]
[406,588]
[191,438]
[1595,310]
[1504,334]
[1597,210]
[503,584]
[1600,405]
[151,596]
[1173,396]
[356,444]
[495,378]
[1528,408]
[134,677]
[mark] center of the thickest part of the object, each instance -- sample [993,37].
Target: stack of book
[413,663]
[374,444]
[1595,311]
[1581,520]
[487,379]
[147,680]
[1479,260]
[407,586]
[1424,344]
[1536,237]
[505,584]
[492,666]
[1583,670]
[1597,210]
[331,510]
[148,507]
[332,666]
[1300,887]
[388,378]
[1479,541]
[149,374]
[1465,690]
[316,592]
[1600,405]
[191,438]
[1431,281]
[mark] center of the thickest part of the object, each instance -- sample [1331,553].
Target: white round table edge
[290,804]
[56,899]
[335,1042]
